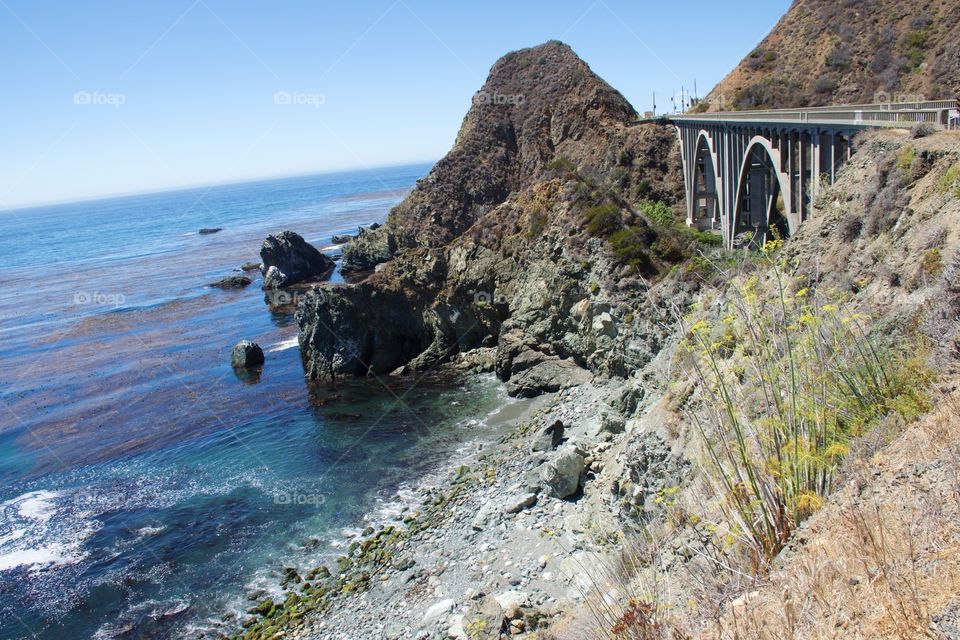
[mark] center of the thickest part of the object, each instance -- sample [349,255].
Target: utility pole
[654,103]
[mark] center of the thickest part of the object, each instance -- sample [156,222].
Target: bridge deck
[861,116]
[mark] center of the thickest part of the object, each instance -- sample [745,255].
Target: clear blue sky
[112,96]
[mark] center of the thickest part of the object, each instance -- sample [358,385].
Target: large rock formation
[524,236]
[288,260]
[849,52]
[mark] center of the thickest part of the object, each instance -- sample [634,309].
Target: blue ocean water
[145,489]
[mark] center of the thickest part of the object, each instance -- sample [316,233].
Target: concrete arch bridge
[747,173]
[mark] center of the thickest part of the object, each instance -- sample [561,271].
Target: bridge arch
[763,195]
[707,185]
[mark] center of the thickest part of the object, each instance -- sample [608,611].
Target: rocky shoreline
[493,548]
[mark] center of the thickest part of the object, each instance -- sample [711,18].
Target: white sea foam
[35,532]
[283,345]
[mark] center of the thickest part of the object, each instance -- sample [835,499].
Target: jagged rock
[561,473]
[288,259]
[246,355]
[549,437]
[232,282]
[370,248]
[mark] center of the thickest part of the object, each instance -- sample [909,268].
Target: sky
[104,97]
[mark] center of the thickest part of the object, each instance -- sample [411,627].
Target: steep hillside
[849,52]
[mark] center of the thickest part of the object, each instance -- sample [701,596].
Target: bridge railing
[870,115]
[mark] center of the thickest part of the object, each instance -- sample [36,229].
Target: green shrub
[658,213]
[632,246]
[604,219]
[561,163]
[951,181]
[906,158]
[776,435]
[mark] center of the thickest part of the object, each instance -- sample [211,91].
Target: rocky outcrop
[493,248]
[246,355]
[232,282]
[287,259]
[368,249]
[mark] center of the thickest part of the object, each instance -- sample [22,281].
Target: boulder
[484,619]
[548,438]
[250,266]
[547,377]
[516,504]
[288,259]
[232,282]
[341,238]
[247,355]
[560,475]
[438,610]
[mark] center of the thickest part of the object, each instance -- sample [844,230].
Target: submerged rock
[232,282]
[210,230]
[288,259]
[250,266]
[247,355]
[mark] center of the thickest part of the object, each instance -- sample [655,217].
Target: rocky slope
[849,52]
[524,239]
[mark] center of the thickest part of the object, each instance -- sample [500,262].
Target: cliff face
[848,52]
[524,238]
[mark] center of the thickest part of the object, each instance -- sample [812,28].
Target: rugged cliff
[534,237]
[849,52]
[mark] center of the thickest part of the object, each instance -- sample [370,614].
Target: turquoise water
[145,489]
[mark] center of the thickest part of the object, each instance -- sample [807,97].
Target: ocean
[145,489]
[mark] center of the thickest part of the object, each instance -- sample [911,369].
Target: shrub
[538,222]
[922,130]
[632,246]
[932,262]
[951,181]
[905,159]
[604,219]
[561,163]
[658,213]
[776,438]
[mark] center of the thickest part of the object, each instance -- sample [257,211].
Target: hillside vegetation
[849,52]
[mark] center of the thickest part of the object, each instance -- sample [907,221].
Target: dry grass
[881,560]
